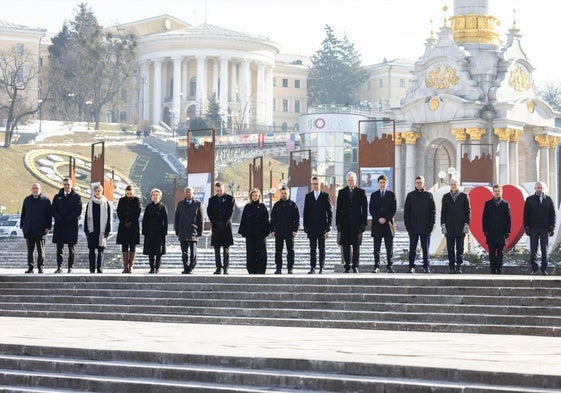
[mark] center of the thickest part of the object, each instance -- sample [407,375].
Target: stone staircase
[454,304]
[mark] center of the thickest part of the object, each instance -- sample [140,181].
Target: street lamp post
[40,102]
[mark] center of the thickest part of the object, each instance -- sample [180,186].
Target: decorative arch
[440,155]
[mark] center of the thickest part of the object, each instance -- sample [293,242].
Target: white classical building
[472,93]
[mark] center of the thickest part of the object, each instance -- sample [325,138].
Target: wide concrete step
[67,369]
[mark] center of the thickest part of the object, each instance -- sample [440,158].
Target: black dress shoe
[217,271]
[278,271]
[390,270]
[29,271]
[320,271]
[69,270]
[545,273]
[40,270]
[534,272]
[312,271]
[376,270]
[459,270]
[289,271]
[426,269]
[59,270]
[347,270]
[355,269]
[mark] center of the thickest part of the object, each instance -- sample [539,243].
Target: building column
[185,81]
[215,78]
[245,93]
[233,82]
[260,107]
[398,175]
[543,142]
[410,159]
[157,92]
[513,154]
[269,97]
[176,109]
[223,99]
[553,175]
[201,85]
[145,86]
[461,137]
[504,136]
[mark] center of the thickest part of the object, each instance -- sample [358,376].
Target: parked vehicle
[10,227]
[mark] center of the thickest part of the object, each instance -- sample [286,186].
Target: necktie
[383,193]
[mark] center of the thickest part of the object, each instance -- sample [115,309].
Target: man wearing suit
[454,221]
[188,226]
[317,223]
[496,227]
[539,223]
[220,211]
[285,221]
[419,215]
[351,215]
[382,209]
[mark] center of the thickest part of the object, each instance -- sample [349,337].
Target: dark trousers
[388,243]
[60,254]
[256,254]
[154,260]
[279,243]
[455,247]
[538,235]
[96,262]
[189,254]
[496,256]
[317,243]
[32,244]
[225,263]
[413,240]
[347,255]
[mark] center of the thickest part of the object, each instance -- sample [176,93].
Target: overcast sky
[379,28]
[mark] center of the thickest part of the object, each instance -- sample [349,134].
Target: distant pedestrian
[285,220]
[383,207]
[454,222]
[188,227]
[97,226]
[128,233]
[539,224]
[351,218]
[317,223]
[419,214]
[220,211]
[35,222]
[496,227]
[155,230]
[67,209]
[255,227]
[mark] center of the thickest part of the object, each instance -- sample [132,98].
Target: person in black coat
[285,220]
[255,227]
[454,221]
[97,226]
[220,211]
[35,222]
[317,223]
[128,233]
[155,230]
[383,207]
[539,224]
[419,214]
[496,227]
[350,217]
[188,227]
[66,209]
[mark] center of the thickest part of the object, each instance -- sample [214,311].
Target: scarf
[102,218]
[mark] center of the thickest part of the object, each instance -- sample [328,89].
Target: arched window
[122,116]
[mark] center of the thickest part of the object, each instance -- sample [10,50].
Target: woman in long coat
[155,230]
[128,234]
[97,226]
[255,227]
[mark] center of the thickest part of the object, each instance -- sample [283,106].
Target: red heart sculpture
[514,195]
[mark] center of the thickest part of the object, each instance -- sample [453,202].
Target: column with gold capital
[513,153]
[543,141]
[475,134]
[398,176]
[553,175]
[461,137]
[504,137]
[410,138]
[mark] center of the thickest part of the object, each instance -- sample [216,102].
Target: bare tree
[20,95]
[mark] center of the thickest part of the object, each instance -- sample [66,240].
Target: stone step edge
[351,370]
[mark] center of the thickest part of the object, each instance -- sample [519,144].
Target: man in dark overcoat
[419,215]
[220,211]
[66,209]
[383,207]
[285,220]
[539,224]
[317,223]
[35,222]
[454,222]
[496,227]
[351,217]
[188,225]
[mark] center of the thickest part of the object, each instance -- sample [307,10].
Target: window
[124,94]
[297,83]
[402,83]
[122,116]
[285,105]
[19,49]
[274,82]
[193,87]
[285,83]
[297,106]
[274,104]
